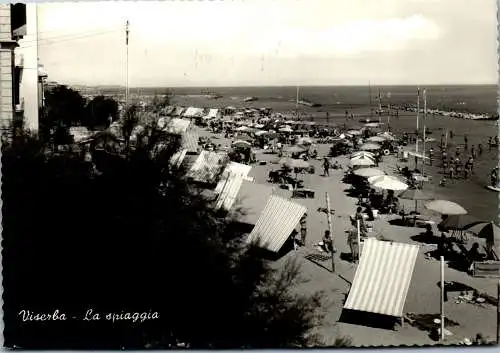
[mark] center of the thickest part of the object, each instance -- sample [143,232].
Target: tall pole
[370,94]
[442,298]
[379,107]
[330,228]
[425,116]
[498,312]
[126,64]
[297,103]
[418,114]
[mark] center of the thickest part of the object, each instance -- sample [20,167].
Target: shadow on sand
[373,320]
[321,260]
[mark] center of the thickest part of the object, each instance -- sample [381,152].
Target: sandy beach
[423,296]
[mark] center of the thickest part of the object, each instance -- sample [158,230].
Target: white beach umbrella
[376,139]
[354,132]
[446,207]
[370,146]
[363,161]
[387,135]
[359,154]
[368,172]
[387,182]
[286,129]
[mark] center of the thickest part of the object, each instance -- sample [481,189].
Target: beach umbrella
[370,146]
[245,138]
[415,194]
[359,154]
[387,182]
[459,222]
[387,136]
[242,144]
[368,172]
[286,129]
[362,162]
[445,207]
[491,232]
[376,139]
[354,132]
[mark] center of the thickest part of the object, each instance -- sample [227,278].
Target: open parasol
[387,182]
[368,172]
[459,222]
[362,161]
[376,139]
[354,132]
[360,154]
[415,194]
[242,144]
[445,207]
[491,232]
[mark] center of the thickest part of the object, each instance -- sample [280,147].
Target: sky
[270,42]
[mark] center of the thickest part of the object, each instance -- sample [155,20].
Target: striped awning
[382,278]
[228,189]
[207,166]
[177,158]
[276,223]
[190,141]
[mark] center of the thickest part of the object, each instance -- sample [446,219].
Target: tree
[99,111]
[131,235]
[64,107]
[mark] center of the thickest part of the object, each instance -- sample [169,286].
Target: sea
[334,101]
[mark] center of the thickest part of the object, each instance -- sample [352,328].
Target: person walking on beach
[490,143]
[473,151]
[352,240]
[480,149]
[466,143]
[326,167]
[431,155]
[451,172]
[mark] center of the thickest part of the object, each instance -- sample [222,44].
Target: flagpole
[126,65]
[418,112]
[425,116]
[379,108]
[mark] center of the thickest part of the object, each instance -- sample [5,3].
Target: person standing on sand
[480,149]
[431,155]
[352,240]
[326,167]
[466,141]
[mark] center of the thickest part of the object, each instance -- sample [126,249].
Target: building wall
[6,64]
[29,81]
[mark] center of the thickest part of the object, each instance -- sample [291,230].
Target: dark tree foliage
[98,111]
[128,234]
[64,106]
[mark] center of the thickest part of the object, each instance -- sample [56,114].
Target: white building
[20,77]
